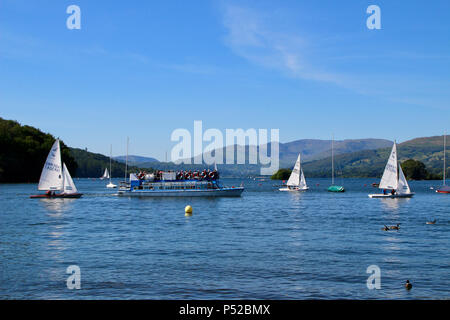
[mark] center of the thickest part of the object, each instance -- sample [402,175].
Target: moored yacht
[444,188]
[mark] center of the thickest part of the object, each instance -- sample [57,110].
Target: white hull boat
[173,184]
[293,189]
[111,185]
[391,196]
[222,192]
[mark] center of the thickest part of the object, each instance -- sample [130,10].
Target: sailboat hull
[336,189]
[443,189]
[391,196]
[293,189]
[56,196]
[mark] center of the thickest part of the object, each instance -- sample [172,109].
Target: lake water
[264,245]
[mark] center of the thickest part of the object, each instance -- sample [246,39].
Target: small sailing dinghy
[334,188]
[55,177]
[110,184]
[393,179]
[444,188]
[105,175]
[296,180]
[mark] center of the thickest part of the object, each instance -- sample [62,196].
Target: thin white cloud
[252,34]
[249,37]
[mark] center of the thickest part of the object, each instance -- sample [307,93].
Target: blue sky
[145,68]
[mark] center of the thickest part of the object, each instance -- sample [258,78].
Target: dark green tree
[414,169]
[23,151]
[281,174]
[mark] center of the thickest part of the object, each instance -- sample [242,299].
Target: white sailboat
[55,177]
[105,175]
[393,179]
[110,184]
[296,180]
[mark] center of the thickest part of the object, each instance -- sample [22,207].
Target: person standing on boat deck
[393,192]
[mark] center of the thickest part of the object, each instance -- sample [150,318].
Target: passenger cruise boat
[177,184]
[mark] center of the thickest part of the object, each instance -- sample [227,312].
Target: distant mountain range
[353,158]
[313,149]
[135,160]
[310,149]
[27,147]
[371,163]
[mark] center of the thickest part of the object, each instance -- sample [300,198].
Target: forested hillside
[371,163]
[23,151]
[92,165]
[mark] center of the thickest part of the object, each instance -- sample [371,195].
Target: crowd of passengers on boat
[206,174]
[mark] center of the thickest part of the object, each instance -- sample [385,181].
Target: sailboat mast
[445,136]
[126,160]
[110,163]
[332,160]
[63,182]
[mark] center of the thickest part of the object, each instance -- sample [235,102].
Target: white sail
[69,186]
[51,176]
[302,181]
[294,178]
[390,175]
[105,174]
[403,187]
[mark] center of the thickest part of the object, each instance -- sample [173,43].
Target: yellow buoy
[188,211]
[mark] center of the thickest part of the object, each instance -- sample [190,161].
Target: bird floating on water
[408,285]
[431,222]
[396,227]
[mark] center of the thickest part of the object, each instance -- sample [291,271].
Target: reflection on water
[295,196]
[56,207]
[395,203]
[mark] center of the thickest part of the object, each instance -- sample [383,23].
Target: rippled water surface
[264,245]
